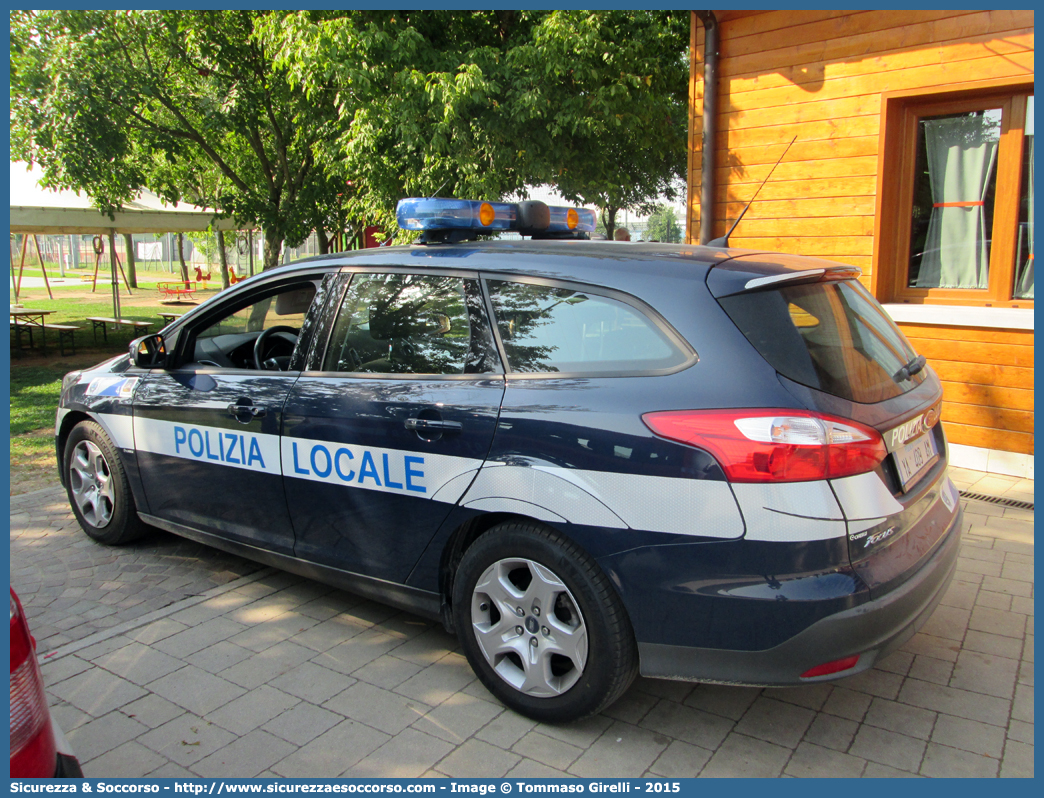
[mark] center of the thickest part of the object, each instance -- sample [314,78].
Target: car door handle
[422,424]
[238,411]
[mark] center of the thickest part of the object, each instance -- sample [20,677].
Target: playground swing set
[99,250]
[171,290]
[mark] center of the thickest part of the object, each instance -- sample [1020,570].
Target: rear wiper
[911,368]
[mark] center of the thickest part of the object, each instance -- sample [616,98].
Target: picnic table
[177,291]
[102,322]
[168,317]
[28,319]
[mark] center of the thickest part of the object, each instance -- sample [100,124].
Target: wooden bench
[17,328]
[102,321]
[65,336]
[177,291]
[65,332]
[168,317]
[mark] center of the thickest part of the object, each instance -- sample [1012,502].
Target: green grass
[34,396]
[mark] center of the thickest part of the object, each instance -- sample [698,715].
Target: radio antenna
[724,240]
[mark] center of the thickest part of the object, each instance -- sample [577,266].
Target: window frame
[647,311]
[901,113]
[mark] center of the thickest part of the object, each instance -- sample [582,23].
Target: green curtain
[962,152]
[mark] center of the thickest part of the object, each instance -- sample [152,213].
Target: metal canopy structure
[40,211]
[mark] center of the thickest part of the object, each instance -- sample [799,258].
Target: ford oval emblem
[930,418]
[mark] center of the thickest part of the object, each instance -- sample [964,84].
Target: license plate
[915,457]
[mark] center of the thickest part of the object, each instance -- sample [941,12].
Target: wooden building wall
[987,378]
[819,75]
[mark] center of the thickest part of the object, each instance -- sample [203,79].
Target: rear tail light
[32,740]
[767,445]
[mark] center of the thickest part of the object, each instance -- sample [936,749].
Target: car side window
[287,308]
[276,318]
[409,324]
[552,329]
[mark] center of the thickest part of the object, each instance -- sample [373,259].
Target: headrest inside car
[294,302]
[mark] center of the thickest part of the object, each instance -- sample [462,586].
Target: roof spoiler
[827,274]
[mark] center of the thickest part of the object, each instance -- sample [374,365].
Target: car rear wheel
[97,486]
[540,624]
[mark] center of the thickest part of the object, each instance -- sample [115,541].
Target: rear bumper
[870,630]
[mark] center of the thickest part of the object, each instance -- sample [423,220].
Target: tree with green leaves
[663,226]
[482,104]
[188,104]
[422,100]
[619,93]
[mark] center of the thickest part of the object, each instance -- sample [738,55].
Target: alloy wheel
[529,627]
[90,480]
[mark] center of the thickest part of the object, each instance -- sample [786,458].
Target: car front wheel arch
[69,421]
[460,540]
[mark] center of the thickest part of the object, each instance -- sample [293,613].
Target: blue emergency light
[447,220]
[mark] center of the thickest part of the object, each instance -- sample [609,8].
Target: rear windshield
[831,336]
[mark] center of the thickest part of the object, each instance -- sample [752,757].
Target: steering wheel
[288,333]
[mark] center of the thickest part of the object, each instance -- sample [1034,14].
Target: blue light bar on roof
[454,214]
[446,220]
[583,222]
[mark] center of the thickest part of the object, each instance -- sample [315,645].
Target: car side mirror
[148,352]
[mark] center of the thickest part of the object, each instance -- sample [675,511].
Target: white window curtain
[962,152]
[1024,277]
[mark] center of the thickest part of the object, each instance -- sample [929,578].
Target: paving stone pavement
[90,587]
[167,658]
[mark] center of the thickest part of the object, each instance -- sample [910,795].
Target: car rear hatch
[837,352]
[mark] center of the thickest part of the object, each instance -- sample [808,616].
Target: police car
[589,459]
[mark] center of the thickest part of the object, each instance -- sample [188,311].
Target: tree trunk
[181,257]
[132,275]
[224,258]
[273,249]
[609,216]
[324,241]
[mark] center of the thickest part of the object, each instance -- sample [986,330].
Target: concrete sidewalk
[167,658]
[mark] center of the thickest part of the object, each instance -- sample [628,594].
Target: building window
[1024,245]
[958,221]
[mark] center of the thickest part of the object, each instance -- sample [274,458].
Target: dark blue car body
[721,581]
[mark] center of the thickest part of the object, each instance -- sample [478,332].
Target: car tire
[571,659]
[97,485]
